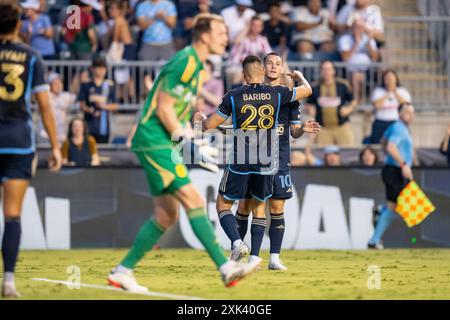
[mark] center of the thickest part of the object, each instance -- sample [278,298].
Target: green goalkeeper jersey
[180,78]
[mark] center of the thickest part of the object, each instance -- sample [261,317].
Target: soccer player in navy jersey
[289,124]
[255,109]
[22,74]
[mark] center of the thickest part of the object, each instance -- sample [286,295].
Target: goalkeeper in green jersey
[166,114]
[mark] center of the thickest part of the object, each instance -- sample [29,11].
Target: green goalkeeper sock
[147,237]
[205,233]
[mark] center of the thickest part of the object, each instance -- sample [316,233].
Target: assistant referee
[398,144]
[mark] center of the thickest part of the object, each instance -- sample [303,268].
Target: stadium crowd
[110,31]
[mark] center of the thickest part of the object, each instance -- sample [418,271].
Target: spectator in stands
[97,99]
[82,38]
[331,157]
[332,104]
[298,159]
[368,157]
[237,19]
[445,146]
[157,19]
[253,44]
[367,13]
[312,36]
[186,14]
[276,29]
[37,30]
[104,29]
[121,49]
[80,149]
[334,6]
[61,101]
[212,91]
[386,100]
[358,49]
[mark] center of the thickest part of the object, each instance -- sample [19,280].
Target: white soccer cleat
[9,291]
[277,265]
[125,281]
[239,271]
[239,252]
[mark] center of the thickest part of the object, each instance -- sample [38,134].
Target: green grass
[405,274]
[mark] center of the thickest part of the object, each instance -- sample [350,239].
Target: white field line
[109,288]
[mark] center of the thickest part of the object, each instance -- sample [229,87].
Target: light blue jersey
[158,32]
[398,133]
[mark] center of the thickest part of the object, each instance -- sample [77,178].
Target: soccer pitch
[405,274]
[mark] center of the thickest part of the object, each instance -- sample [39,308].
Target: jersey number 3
[12,78]
[265,113]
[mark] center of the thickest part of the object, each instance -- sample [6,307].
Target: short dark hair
[251,60]
[99,62]
[10,11]
[202,24]
[273,4]
[271,54]
[371,150]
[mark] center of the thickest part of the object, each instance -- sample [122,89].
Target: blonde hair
[202,24]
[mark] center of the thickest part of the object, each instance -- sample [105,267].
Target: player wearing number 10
[21,75]
[255,108]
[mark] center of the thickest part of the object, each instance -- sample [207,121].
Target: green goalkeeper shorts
[166,173]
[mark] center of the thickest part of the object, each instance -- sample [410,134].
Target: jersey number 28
[265,113]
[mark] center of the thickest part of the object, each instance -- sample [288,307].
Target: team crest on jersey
[280,129]
[181,171]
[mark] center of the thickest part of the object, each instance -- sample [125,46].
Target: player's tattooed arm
[304,90]
[309,126]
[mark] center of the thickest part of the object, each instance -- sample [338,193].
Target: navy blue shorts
[236,186]
[14,166]
[282,185]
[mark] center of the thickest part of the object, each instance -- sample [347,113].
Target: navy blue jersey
[22,73]
[255,110]
[289,115]
[98,122]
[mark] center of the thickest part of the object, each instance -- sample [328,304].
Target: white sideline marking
[109,288]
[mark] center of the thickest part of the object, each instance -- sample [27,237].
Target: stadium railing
[418,49]
[136,71]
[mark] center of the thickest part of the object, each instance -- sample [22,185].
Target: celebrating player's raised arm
[309,126]
[303,91]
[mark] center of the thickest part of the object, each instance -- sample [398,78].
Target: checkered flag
[413,205]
